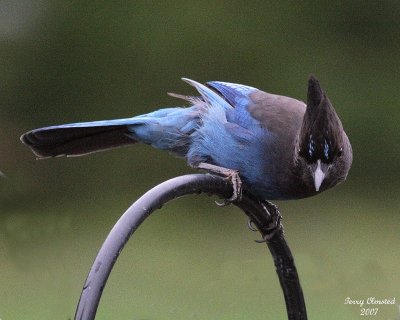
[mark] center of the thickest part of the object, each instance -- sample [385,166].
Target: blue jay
[281,147]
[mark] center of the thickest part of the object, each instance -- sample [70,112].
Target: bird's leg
[231,175]
[275,225]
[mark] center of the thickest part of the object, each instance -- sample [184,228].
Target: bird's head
[323,150]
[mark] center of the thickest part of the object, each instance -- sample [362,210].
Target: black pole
[263,215]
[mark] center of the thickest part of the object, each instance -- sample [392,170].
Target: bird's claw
[268,236]
[234,180]
[264,239]
[223,203]
[274,227]
[250,225]
[232,176]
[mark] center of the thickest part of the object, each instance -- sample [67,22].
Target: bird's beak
[319,176]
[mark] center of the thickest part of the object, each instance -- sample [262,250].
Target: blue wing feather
[208,95]
[236,94]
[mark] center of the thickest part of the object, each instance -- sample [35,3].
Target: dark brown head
[324,150]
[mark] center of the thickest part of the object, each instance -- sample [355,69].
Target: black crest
[321,132]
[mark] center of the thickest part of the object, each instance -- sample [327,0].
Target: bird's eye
[340,152]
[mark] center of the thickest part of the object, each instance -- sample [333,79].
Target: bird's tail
[167,129]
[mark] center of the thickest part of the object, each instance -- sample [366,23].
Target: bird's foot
[231,175]
[275,225]
[250,225]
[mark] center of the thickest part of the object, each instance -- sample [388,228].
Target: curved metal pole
[263,215]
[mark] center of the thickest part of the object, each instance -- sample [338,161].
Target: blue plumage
[229,125]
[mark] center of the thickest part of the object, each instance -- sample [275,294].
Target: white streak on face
[319,176]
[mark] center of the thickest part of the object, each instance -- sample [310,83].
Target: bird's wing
[236,94]
[239,95]
[272,111]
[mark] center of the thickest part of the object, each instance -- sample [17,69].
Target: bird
[281,148]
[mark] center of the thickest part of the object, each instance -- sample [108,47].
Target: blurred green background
[66,61]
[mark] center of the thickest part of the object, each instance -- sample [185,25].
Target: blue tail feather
[166,129]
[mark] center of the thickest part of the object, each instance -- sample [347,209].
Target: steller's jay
[280,147]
